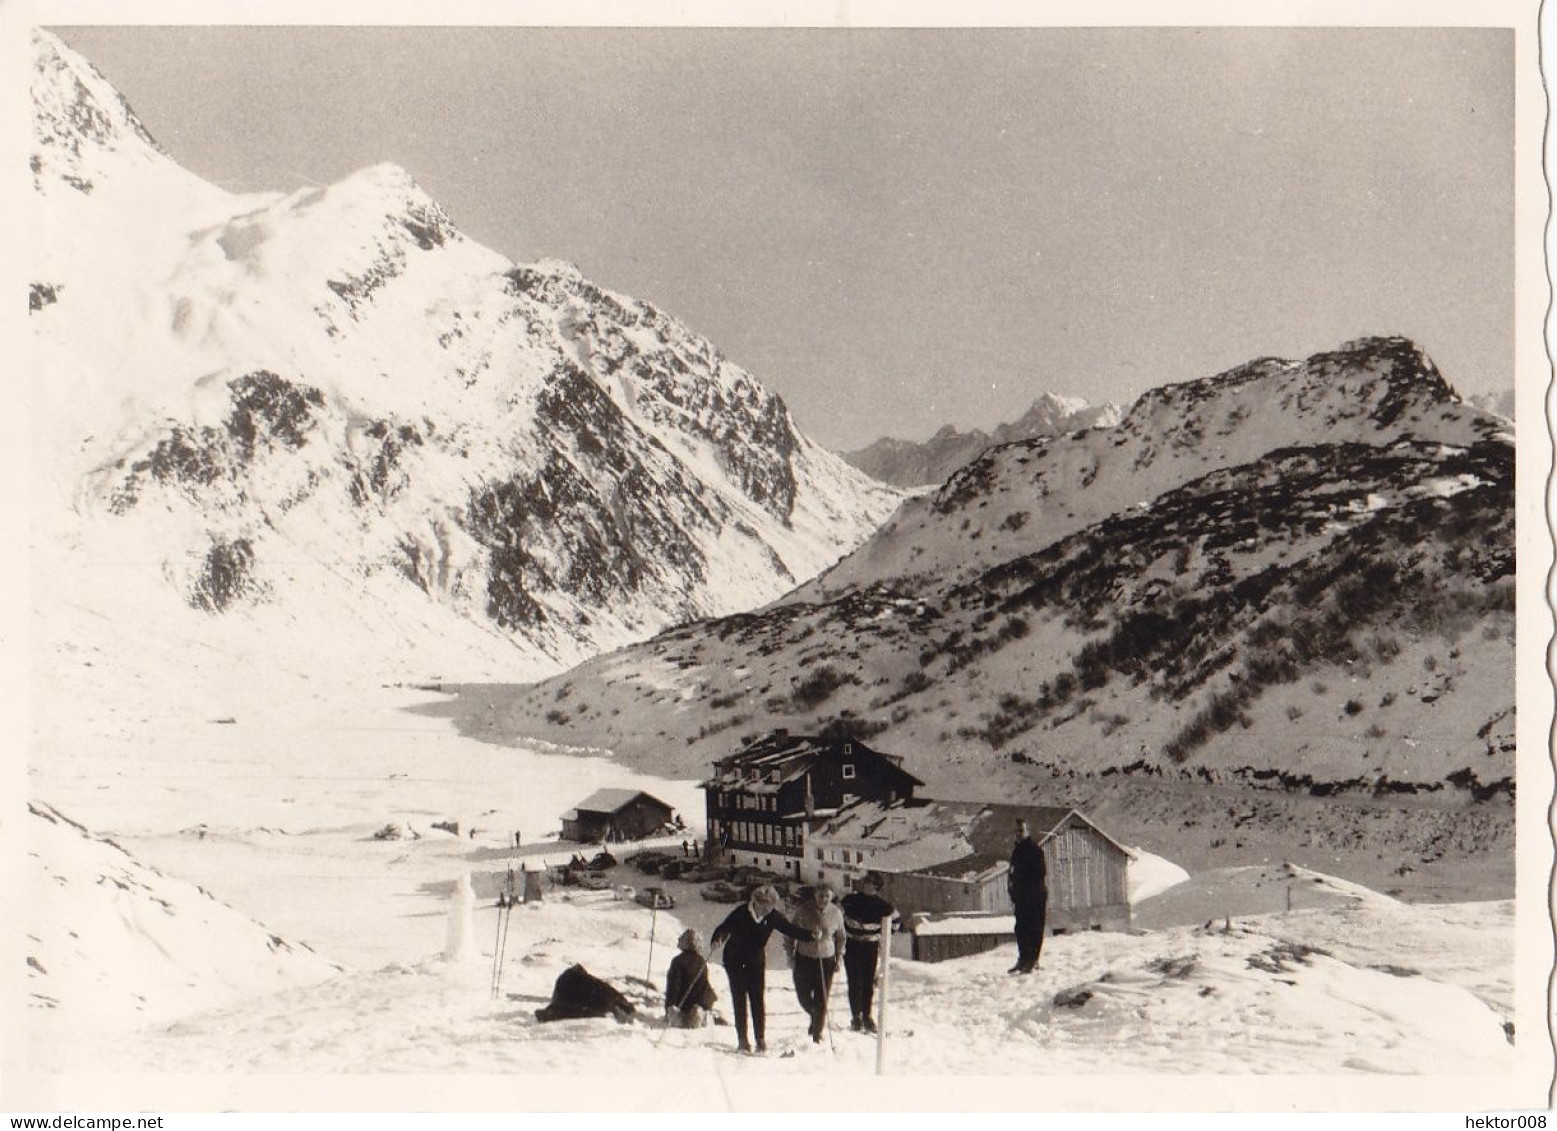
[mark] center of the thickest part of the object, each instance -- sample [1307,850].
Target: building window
[819,855]
[848,771]
[773,776]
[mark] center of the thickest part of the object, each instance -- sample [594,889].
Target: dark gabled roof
[792,755]
[612,801]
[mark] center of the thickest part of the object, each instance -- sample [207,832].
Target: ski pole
[495,941]
[508,916]
[827,996]
[654,910]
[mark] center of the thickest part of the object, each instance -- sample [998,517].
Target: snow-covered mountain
[330,415]
[1023,496]
[1288,581]
[907,464]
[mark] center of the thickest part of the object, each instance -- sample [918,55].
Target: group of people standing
[821,932]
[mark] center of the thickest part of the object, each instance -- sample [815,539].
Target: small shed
[951,857]
[939,937]
[615,815]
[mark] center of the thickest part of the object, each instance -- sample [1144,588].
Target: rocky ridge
[904,463]
[1293,579]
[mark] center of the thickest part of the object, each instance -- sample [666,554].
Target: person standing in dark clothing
[745,933]
[1029,887]
[863,911]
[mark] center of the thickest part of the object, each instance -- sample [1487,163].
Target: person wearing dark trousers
[863,911]
[745,933]
[815,961]
[1029,887]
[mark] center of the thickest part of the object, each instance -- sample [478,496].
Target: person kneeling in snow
[688,993]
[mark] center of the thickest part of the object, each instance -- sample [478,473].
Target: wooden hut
[615,814]
[950,857]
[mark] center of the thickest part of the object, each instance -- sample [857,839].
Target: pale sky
[900,229]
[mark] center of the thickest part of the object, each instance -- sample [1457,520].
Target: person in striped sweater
[863,911]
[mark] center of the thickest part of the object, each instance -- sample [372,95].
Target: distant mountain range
[328,424]
[907,464]
[1501,403]
[1295,577]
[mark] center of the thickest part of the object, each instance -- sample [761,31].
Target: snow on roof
[967,925]
[949,839]
[977,866]
[610,801]
[793,754]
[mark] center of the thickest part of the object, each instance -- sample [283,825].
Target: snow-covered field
[274,814]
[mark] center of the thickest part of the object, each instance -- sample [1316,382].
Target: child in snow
[745,933]
[688,993]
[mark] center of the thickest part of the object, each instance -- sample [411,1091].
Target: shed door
[1073,864]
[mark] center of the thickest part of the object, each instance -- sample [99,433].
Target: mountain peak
[907,464]
[77,115]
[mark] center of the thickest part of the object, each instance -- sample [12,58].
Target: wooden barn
[952,858]
[763,800]
[615,814]
[1088,870]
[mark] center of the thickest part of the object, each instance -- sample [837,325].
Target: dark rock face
[268,413]
[682,382]
[383,477]
[611,546]
[269,410]
[40,295]
[225,577]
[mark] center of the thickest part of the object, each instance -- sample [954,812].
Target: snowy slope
[330,409]
[118,944]
[1249,1000]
